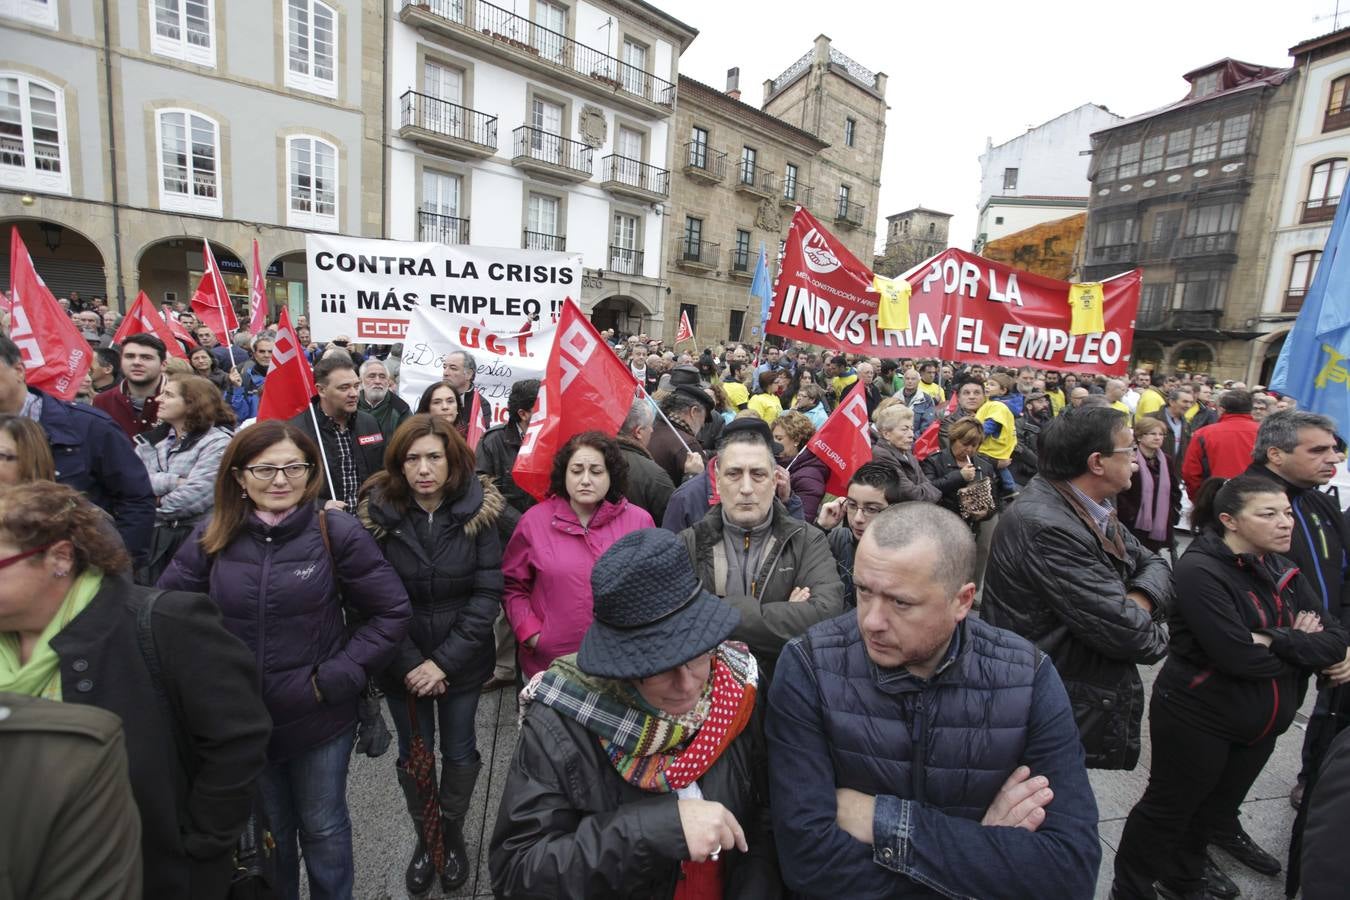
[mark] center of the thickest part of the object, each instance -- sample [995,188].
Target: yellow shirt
[737,394]
[1056,398]
[935,391]
[768,406]
[1085,305]
[841,383]
[1150,401]
[999,446]
[1120,405]
[1190,413]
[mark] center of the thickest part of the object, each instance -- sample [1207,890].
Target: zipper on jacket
[1307,535]
[918,777]
[1260,613]
[778,554]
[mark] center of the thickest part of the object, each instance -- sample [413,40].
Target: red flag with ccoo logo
[585,387]
[842,443]
[55,355]
[290,380]
[143,318]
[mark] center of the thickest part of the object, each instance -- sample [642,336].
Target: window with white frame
[624,253]
[635,69]
[35,12]
[312,184]
[311,47]
[184,29]
[189,162]
[33,152]
[439,218]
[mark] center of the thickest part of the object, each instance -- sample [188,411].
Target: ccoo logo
[817,253]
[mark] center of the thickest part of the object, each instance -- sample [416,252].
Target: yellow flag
[892,303]
[1085,305]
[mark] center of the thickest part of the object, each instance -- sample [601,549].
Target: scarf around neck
[1153,512]
[650,749]
[41,675]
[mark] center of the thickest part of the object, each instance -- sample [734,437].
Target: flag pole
[657,407]
[323,455]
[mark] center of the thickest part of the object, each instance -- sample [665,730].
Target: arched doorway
[169,270]
[623,313]
[287,285]
[1147,354]
[1268,358]
[67,261]
[1194,357]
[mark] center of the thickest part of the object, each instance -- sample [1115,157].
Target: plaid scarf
[651,749]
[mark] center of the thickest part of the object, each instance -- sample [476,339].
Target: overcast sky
[961,72]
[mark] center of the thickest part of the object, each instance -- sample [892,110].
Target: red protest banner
[143,318]
[961,307]
[585,386]
[55,355]
[290,381]
[842,443]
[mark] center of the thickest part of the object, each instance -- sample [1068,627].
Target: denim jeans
[306,798]
[459,745]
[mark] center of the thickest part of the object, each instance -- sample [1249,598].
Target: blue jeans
[306,797]
[459,745]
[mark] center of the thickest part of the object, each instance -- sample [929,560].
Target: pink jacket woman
[547,569]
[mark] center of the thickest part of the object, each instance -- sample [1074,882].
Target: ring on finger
[717,851]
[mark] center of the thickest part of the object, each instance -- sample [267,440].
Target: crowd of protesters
[732,682]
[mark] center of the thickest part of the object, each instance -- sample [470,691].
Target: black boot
[456,792]
[420,871]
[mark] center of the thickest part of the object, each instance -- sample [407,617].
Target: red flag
[211,302]
[927,443]
[585,387]
[177,329]
[842,443]
[55,355]
[143,318]
[290,381]
[475,429]
[685,331]
[257,295]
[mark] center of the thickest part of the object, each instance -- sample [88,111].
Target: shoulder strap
[323,532]
[145,637]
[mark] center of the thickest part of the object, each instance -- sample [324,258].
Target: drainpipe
[112,159]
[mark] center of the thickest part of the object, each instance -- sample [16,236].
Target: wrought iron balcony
[754,180]
[552,155]
[1224,244]
[1111,253]
[701,255]
[795,193]
[625,261]
[740,263]
[849,214]
[633,178]
[440,125]
[442,229]
[483,26]
[703,163]
[1321,210]
[1178,320]
[534,240]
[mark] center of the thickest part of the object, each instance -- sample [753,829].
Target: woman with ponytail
[1246,634]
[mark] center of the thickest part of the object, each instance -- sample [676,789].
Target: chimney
[734,83]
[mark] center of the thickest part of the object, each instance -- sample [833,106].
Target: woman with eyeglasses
[74,630]
[280,570]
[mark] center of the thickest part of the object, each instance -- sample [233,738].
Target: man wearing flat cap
[687,408]
[640,765]
[777,570]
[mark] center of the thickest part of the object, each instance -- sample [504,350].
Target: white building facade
[547,127]
[1038,176]
[1313,184]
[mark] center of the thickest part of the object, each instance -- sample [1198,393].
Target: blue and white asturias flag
[761,286]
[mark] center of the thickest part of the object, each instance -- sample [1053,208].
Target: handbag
[976,500]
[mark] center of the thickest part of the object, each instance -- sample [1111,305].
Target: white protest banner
[502,358]
[367,289]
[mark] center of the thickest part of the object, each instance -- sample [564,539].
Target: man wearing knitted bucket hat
[641,759]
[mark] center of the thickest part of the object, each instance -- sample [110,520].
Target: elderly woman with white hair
[895,427]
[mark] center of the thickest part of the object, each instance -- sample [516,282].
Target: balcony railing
[1293,300]
[625,261]
[1110,253]
[1322,210]
[1178,319]
[441,117]
[622,172]
[1205,244]
[755,180]
[442,229]
[702,161]
[535,240]
[698,254]
[796,193]
[484,20]
[849,213]
[739,262]
[553,149]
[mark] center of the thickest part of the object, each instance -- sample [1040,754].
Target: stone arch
[75,263]
[1191,356]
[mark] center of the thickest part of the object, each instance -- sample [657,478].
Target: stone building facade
[146,127]
[1050,248]
[911,237]
[739,173]
[1188,193]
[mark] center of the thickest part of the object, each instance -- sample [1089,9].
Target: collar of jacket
[1111,546]
[161,431]
[784,525]
[901,681]
[55,418]
[476,507]
[291,526]
[1273,569]
[627,443]
[565,519]
[1290,489]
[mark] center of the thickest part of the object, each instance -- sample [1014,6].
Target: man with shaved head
[914,749]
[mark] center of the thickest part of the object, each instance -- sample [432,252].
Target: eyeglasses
[1132,450]
[20,557]
[867,509]
[269,473]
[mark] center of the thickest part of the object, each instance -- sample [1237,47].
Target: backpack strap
[145,638]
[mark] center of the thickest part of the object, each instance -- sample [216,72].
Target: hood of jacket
[475,507]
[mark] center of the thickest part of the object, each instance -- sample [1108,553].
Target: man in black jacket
[1100,617]
[648,484]
[351,440]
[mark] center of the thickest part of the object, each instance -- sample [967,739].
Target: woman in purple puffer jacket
[280,570]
